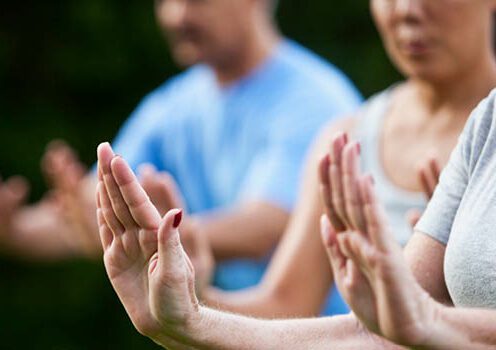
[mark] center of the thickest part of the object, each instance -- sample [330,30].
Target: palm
[127,262]
[143,255]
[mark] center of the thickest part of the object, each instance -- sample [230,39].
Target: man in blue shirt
[233,132]
[233,129]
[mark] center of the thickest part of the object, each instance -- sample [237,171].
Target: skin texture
[232,37]
[445,81]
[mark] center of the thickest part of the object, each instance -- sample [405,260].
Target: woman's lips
[415,47]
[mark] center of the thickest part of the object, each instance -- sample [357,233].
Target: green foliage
[75,70]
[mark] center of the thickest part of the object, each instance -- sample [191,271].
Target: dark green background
[75,70]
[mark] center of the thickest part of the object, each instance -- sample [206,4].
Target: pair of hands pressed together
[367,263]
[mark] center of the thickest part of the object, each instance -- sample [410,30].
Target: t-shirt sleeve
[441,211]
[275,174]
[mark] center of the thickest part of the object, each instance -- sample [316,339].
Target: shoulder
[354,123]
[175,93]
[480,130]
[319,77]
[323,141]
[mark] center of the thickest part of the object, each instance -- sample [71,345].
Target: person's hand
[368,264]
[428,173]
[165,195]
[163,191]
[13,193]
[350,280]
[143,255]
[72,189]
[200,253]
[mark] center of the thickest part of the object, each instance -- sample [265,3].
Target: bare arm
[43,232]
[248,230]
[219,330]
[299,257]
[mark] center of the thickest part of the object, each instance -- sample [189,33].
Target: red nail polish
[345,138]
[358,148]
[177,219]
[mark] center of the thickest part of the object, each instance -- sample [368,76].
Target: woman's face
[434,39]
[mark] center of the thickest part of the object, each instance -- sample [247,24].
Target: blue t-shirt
[230,144]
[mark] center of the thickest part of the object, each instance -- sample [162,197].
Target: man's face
[207,31]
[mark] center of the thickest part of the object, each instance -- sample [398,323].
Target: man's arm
[248,230]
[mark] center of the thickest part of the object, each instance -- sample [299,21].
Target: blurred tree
[75,70]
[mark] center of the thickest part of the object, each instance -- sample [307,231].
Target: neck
[460,94]
[257,47]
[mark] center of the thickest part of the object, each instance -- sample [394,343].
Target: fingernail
[358,148]
[177,219]
[345,138]
[327,159]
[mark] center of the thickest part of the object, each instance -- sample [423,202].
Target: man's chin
[186,57]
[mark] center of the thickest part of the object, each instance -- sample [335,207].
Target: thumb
[170,251]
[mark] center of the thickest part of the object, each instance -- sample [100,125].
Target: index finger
[138,202]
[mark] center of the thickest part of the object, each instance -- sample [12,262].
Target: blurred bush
[75,70]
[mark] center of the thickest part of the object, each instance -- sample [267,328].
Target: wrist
[188,332]
[426,323]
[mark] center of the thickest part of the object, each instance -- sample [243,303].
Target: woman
[444,48]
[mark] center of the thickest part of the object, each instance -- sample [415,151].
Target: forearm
[218,330]
[257,302]
[39,233]
[460,328]
[249,231]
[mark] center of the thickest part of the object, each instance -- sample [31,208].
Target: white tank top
[396,201]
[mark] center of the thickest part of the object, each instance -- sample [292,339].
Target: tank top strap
[397,201]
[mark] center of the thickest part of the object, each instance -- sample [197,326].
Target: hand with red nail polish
[143,254]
